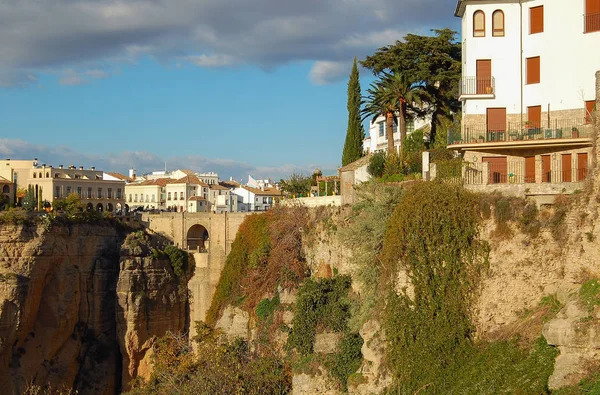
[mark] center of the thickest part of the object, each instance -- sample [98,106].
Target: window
[68,191]
[153,197]
[34,175]
[381,128]
[536,19]
[589,110]
[479,24]
[79,192]
[533,70]
[592,16]
[130,198]
[109,193]
[89,195]
[169,196]
[56,192]
[118,193]
[410,125]
[135,198]
[99,193]
[181,196]
[498,23]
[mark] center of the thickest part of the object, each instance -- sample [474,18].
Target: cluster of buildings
[176,191]
[528,92]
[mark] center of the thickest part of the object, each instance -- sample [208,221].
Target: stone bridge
[208,237]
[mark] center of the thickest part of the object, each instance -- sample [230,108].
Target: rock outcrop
[77,311]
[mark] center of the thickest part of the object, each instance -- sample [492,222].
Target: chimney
[60,166]
[132,173]
[93,168]
[80,167]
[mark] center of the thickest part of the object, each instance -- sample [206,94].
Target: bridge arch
[197,238]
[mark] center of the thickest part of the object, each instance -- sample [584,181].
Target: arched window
[34,175]
[498,23]
[47,175]
[479,24]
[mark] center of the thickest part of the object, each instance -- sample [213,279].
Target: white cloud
[218,60]
[71,77]
[325,72]
[96,74]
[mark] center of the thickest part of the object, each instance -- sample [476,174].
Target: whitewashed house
[528,90]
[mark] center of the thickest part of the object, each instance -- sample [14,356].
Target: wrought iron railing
[516,131]
[477,86]
[591,22]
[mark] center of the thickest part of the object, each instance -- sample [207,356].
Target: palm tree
[405,94]
[379,102]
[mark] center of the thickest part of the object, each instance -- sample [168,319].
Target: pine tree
[353,147]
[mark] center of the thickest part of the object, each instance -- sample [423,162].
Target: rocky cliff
[77,310]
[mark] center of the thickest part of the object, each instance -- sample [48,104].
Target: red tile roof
[191,180]
[265,192]
[196,198]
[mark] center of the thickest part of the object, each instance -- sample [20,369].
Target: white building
[255,199]
[528,89]
[528,60]
[376,141]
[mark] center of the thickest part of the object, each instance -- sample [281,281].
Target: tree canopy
[432,63]
[355,132]
[297,184]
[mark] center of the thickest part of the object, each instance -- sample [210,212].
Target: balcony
[565,132]
[591,22]
[476,88]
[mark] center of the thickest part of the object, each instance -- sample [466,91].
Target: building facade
[376,141]
[528,90]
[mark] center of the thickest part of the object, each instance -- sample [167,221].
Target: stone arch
[47,175]
[6,189]
[99,207]
[109,207]
[197,238]
[89,207]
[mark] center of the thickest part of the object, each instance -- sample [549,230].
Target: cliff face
[75,313]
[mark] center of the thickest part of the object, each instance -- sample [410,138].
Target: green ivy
[323,304]
[266,308]
[347,360]
[433,236]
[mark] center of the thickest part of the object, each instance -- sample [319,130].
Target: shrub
[530,224]
[179,260]
[347,360]
[376,164]
[589,294]
[438,248]
[321,304]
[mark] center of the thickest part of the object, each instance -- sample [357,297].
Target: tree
[406,96]
[297,184]
[355,133]
[29,202]
[379,102]
[433,62]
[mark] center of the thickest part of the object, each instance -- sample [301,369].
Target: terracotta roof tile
[197,198]
[191,180]
[265,192]
[120,176]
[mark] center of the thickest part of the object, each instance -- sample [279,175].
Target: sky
[234,86]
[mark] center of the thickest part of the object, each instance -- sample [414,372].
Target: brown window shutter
[589,110]
[533,70]
[534,116]
[536,20]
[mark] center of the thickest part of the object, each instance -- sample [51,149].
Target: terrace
[570,132]
[476,88]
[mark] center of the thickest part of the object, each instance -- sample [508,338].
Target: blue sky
[233,86]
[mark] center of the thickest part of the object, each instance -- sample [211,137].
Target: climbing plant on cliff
[433,238]
[266,252]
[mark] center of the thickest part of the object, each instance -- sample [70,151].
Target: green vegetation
[376,165]
[29,201]
[429,68]
[589,386]
[266,253]
[355,133]
[347,360]
[428,329]
[265,309]
[589,294]
[321,304]
[219,366]
[297,184]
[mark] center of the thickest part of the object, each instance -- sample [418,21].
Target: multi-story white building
[376,141]
[180,191]
[147,194]
[528,88]
[255,199]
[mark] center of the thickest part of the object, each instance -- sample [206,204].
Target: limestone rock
[326,343]
[234,323]
[321,383]
[576,333]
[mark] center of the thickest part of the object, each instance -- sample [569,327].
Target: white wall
[569,58]
[379,143]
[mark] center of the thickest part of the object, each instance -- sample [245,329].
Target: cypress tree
[355,134]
